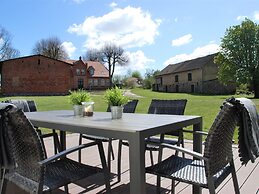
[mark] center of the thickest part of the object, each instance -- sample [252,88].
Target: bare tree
[111,55]
[50,47]
[92,55]
[6,49]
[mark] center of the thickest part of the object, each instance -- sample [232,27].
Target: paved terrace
[248,176]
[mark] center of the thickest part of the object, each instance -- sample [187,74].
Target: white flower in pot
[116,100]
[77,99]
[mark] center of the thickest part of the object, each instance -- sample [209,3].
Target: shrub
[115,97]
[79,96]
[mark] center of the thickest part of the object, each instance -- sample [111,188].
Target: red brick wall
[79,65]
[36,75]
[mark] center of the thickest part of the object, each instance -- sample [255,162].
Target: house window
[176,78]
[90,82]
[95,82]
[189,76]
[80,83]
[102,82]
[77,71]
[91,71]
[107,82]
[82,71]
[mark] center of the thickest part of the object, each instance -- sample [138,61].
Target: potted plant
[116,100]
[77,99]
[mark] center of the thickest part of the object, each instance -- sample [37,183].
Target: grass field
[206,106]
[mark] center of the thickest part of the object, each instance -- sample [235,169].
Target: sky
[153,33]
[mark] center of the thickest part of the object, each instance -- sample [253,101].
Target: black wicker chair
[30,106]
[32,171]
[130,107]
[211,168]
[171,107]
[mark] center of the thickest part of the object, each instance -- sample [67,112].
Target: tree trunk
[256,90]
[256,87]
[110,76]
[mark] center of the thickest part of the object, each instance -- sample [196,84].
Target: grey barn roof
[188,65]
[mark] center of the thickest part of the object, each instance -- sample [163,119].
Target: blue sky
[154,33]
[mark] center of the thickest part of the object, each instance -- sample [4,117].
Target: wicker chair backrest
[20,103]
[171,107]
[25,143]
[218,144]
[32,105]
[25,105]
[130,107]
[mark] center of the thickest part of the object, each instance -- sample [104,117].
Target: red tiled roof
[70,61]
[99,69]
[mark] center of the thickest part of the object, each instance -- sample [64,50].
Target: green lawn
[204,105]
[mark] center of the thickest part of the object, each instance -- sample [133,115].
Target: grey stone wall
[215,87]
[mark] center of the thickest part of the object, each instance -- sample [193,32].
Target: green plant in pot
[116,100]
[77,99]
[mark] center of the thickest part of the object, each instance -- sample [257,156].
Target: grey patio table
[131,127]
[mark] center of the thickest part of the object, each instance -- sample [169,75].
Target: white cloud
[113,4]
[127,27]
[137,62]
[241,17]
[69,47]
[256,15]
[182,40]
[198,52]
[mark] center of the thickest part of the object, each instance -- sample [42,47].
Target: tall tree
[149,78]
[238,58]
[113,55]
[136,74]
[6,49]
[92,55]
[50,47]
[110,54]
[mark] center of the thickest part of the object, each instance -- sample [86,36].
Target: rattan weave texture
[218,156]
[27,152]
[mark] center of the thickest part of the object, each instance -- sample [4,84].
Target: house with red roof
[41,75]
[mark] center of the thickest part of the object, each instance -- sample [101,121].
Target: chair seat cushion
[65,171]
[186,170]
[58,173]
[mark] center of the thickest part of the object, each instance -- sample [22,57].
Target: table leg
[63,140]
[197,146]
[137,165]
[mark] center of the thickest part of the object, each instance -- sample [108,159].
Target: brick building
[41,75]
[192,76]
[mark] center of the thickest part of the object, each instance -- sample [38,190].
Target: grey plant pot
[116,112]
[78,110]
